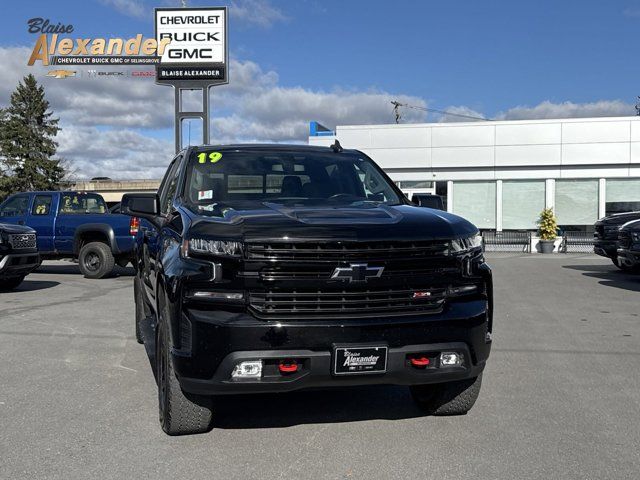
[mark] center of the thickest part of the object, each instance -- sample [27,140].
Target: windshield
[245,179]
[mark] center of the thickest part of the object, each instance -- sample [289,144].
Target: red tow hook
[288,366]
[420,362]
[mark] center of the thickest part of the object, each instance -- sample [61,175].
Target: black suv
[271,268]
[18,254]
[605,242]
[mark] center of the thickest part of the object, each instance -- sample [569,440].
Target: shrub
[547,225]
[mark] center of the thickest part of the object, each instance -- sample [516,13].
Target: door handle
[20,222]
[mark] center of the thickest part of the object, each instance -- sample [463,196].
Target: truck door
[151,246]
[14,210]
[41,218]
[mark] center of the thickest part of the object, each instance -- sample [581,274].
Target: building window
[476,201]
[576,204]
[522,202]
[415,184]
[623,195]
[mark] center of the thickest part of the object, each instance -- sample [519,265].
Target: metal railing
[576,242]
[507,241]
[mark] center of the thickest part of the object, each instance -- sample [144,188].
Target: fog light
[252,369]
[451,359]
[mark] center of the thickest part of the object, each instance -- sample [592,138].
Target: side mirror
[429,201]
[143,205]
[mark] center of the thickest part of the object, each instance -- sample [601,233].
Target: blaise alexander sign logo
[52,47]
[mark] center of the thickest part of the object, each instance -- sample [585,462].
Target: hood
[630,226]
[11,229]
[355,222]
[619,218]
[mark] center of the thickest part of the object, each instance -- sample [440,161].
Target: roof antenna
[336,147]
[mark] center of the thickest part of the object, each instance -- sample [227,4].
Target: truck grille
[347,303]
[347,251]
[22,241]
[323,272]
[624,239]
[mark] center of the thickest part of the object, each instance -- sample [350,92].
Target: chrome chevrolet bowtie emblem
[356,272]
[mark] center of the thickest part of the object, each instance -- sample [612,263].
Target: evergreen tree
[27,132]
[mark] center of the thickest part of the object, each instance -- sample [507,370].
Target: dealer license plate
[359,360]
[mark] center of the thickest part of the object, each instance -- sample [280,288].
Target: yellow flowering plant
[547,225]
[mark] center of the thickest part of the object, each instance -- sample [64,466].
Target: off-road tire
[10,283]
[451,398]
[140,316]
[622,266]
[96,260]
[181,413]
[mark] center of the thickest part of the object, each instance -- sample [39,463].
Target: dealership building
[498,174]
[501,174]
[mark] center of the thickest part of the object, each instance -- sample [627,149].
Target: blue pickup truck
[75,225]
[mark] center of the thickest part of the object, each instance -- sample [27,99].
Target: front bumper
[18,264]
[628,257]
[222,339]
[605,248]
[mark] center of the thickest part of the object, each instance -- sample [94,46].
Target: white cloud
[260,13]
[121,153]
[547,109]
[111,126]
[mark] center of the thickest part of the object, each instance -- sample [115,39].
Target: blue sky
[341,62]
[489,56]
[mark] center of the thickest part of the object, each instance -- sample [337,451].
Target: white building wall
[527,149]
[557,149]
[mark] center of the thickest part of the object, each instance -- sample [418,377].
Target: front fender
[173,270]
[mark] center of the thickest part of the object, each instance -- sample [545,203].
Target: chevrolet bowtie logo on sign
[61,73]
[356,272]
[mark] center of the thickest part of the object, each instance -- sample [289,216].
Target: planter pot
[547,246]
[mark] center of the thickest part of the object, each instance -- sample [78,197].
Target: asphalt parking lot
[560,397]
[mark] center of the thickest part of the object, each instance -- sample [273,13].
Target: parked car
[271,268]
[74,225]
[605,241]
[428,200]
[18,254]
[628,250]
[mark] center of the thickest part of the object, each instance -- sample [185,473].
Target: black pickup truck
[605,242]
[18,254]
[271,268]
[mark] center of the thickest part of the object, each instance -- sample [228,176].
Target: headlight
[461,245]
[225,248]
[635,236]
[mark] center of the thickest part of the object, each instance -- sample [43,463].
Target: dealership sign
[196,41]
[52,48]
